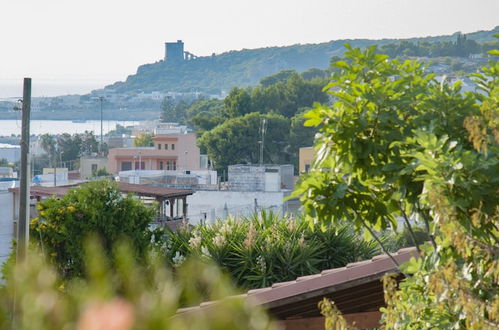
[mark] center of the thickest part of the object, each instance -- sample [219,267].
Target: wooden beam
[359,320]
[364,320]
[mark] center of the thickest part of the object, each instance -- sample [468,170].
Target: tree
[89,143]
[237,103]
[205,115]
[144,140]
[68,147]
[286,97]
[168,110]
[236,140]
[277,77]
[360,140]
[48,144]
[98,208]
[173,112]
[392,145]
[454,285]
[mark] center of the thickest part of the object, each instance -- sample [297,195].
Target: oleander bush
[266,248]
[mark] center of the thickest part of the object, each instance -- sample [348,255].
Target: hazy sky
[96,42]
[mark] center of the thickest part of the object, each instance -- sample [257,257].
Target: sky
[73,46]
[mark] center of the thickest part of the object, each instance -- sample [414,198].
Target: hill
[212,74]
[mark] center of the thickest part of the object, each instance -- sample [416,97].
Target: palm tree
[48,144]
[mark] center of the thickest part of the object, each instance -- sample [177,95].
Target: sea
[13,126]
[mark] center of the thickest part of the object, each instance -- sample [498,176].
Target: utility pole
[101,99]
[22,228]
[262,141]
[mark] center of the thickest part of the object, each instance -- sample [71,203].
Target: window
[174,164]
[173,146]
[160,165]
[168,165]
[126,166]
[307,168]
[159,146]
[94,168]
[166,146]
[141,166]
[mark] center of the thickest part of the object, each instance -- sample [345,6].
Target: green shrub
[97,207]
[128,296]
[267,248]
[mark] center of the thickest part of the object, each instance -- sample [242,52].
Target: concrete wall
[11,154]
[211,205]
[6,224]
[86,165]
[261,178]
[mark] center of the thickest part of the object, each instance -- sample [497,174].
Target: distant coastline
[145,114]
[9,127]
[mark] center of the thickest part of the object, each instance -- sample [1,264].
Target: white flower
[225,229]
[195,241]
[178,259]
[262,265]
[219,240]
[205,252]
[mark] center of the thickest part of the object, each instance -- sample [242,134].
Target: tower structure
[174,51]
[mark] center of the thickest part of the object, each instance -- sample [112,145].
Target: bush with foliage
[97,207]
[267,248]
[143,140]
[393,145]
[129,296]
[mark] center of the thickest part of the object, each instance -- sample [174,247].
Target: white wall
[212,203]
[6,224]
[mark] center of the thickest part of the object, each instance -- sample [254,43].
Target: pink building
[170,152]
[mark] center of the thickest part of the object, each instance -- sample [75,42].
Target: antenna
[262,141]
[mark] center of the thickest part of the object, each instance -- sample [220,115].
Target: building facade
[90,165]
[306,155]
[170,152]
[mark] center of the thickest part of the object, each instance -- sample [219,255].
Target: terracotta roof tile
[358,263]
[278,284]
[333,270]
[328,280]
[307,277]
[253,291]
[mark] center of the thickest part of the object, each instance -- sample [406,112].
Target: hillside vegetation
[246,67]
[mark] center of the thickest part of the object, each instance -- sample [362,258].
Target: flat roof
[137,189]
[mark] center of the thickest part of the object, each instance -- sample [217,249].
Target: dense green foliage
[143,140]
[131,295]
[455,284]
[246,67]
[231,130]
[95,208]
[267,248]
[393,145]
[65,149]
[460,47]
[236,140]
